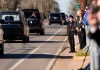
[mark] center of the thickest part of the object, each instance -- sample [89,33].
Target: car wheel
[2,49]
[61,23]
[42,33]
[49,23]
[25,39]
[65,23]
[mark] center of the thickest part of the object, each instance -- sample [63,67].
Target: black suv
[14,26]
[35,20]
[63,17]
[55,18]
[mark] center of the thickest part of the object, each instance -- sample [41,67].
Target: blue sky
[64,5]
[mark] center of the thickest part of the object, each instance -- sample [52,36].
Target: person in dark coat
[80,27]
[71,30]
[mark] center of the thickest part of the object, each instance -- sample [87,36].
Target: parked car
[55,18]
[35,21]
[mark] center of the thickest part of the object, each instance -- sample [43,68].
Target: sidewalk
[70,61]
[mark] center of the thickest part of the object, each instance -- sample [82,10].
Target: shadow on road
[55,35]
[35,42]
[49,34]
[33,56]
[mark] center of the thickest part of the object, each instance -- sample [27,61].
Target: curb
[50,67]
[52,62]
[80,57]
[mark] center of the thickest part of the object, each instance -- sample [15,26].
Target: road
[38,54]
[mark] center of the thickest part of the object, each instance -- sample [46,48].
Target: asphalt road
[38,54]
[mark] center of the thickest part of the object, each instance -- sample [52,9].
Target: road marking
[46,53]
[50,65]
[22,60]
[53,60]
[66,39]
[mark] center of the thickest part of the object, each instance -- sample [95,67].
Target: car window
[32,15]
[36,15]
[55,15]
[62,14]
[10,17]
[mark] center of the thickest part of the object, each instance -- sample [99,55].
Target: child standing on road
[71,30]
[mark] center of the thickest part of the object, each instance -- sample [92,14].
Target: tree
[88,2]
[72,8]
[45,6]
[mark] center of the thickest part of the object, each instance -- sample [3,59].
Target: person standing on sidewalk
[80,27]
[71,30]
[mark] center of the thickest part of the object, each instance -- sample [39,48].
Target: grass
[81,53]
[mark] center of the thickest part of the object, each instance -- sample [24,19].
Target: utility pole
[41,6]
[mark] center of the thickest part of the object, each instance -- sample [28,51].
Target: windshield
[62,14]
[55,15]
[32,15]
[36,15]
[10,17]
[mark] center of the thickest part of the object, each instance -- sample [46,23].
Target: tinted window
[30,15]
[55,15]
[62,14]
[36,15]
[10,16]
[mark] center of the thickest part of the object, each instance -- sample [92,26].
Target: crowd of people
[84,26]
[75,26]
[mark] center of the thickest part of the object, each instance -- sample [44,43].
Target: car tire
[42,33]
[49,23]
[65,23]
[25,39]
[61,23]
[2,49]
